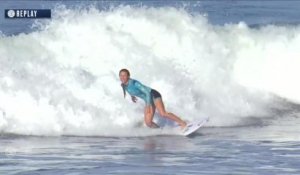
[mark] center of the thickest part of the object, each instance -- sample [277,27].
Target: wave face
[62,79]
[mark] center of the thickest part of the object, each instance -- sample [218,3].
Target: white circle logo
[11,13]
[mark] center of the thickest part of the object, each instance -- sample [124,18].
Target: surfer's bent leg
[162,112]
[149,113]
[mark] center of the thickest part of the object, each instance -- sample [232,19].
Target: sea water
[62,109]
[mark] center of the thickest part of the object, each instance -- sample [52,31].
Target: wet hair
[123,85]
[125,70]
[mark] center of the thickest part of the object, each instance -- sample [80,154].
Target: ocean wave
[62,79]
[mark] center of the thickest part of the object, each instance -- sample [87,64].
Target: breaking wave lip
[63,79]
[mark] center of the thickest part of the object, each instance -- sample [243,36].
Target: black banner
[27,13]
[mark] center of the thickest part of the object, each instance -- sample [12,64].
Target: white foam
[63,79]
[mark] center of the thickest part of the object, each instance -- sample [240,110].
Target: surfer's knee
[163,114]
[149,112]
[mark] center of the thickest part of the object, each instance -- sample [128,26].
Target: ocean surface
[62,109]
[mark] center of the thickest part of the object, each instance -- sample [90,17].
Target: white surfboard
[193,127]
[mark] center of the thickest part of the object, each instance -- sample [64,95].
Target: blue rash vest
[135,88]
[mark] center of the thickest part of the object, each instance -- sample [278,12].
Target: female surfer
[152,98]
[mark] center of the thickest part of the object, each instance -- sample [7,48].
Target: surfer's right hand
[134,99]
